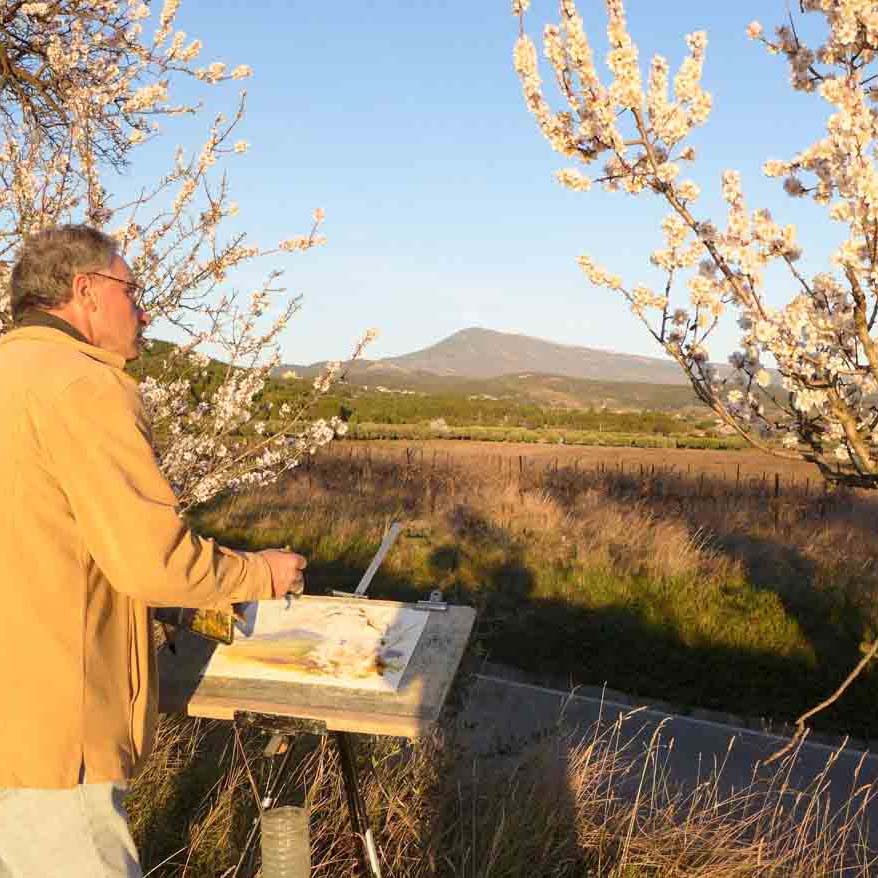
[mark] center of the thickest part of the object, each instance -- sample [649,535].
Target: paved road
[501,716]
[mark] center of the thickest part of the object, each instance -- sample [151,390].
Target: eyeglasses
[134,290]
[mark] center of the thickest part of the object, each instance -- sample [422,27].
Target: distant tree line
[358,405]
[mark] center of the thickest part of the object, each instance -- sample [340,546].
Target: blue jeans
[80,832]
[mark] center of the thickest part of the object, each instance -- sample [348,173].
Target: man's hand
[286,571]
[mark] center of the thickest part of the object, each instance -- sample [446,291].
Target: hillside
[544,391]
[484,353]
[549,391]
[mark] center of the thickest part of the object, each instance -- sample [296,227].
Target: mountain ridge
[478,353]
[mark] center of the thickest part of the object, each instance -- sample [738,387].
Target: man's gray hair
[47,261]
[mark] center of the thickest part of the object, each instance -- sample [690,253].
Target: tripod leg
[284,771]
[356,805]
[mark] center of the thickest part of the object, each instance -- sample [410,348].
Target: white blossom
[113,83]
[821,339]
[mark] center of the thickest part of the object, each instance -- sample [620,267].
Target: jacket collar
[38,317]
[57,335]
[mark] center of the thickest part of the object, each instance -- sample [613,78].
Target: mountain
[484,353]
[545,390]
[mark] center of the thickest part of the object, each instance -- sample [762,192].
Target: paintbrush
[291,595]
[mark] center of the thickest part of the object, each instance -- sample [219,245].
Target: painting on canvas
[333,641]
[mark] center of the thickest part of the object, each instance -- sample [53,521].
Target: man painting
[90,537]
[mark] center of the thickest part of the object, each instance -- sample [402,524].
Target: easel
[294,709]
[289,727]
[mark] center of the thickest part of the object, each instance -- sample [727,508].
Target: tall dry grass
[702,590]
[563,806]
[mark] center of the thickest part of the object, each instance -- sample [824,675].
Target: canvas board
[331,641]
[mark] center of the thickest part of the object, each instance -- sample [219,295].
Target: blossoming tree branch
[822,341]
[84,85]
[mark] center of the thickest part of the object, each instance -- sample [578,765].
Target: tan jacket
[90,534]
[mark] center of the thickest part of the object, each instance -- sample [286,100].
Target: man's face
[119,322]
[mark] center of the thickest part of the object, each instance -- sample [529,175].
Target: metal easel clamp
[281,725]
[434,602]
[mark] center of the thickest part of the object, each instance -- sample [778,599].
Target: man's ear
[84,292]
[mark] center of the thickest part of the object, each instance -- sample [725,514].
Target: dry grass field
[723,465]
[666,574]
[728,582]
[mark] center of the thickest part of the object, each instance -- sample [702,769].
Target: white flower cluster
[574,179]
[207,449]
[597,275]
[93,77]
[643,297]
[302,242]
[822,341]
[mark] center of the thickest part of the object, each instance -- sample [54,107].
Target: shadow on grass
[637,648]
[623,648]
[189,783]
[824,609]
[832,622]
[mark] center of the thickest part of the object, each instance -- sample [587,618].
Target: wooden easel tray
[410,711]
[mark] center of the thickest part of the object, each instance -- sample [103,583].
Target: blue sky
[404,120]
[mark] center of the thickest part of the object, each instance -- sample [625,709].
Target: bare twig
[800,722]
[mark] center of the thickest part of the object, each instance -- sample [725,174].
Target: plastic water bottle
[286,843]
